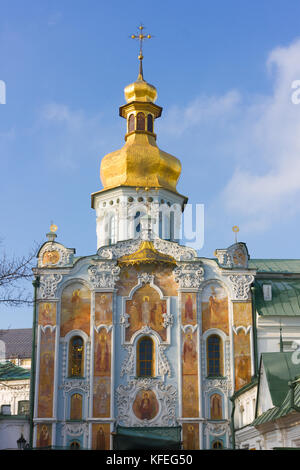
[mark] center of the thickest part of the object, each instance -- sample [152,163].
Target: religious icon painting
[102,357]
[101,397]
[146,308]
[190,396]
[215,308]
[145,405]
[47,313]
[242,359]
[164,279]
[75,309]
[51,257]
[189,308]
[46,367]
[44,433]
[189,352]
[127,280]
[103,308]
[190,433]
[101,436]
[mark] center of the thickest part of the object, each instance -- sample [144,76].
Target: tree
[13,272]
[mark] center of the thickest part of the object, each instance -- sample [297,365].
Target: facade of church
[143,343]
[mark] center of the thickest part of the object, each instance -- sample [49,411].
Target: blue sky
[223,71]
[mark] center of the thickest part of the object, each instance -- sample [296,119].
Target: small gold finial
[53,228]
[235,230]
[141,37]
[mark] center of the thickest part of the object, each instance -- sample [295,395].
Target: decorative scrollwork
[104,275]
[128,364]
[145,278]
[189,275]
[166,396]
[48,285]
[241,284]
[217,429]
[179,252]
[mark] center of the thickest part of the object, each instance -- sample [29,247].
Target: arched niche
[214,306]
[146,308]
[75,308]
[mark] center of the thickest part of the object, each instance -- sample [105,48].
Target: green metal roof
[280,369]
[9,371]
[275,265]
[285,297]
[279,411]
[268,415]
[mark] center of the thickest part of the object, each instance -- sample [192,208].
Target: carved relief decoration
[48,286]
[241,284]
[104,275]
[75,429]
[55,254]
[217,429]
[165,396]
[70,385]
[235,256]
[189,275]
[180,253]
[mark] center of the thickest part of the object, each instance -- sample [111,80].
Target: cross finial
[235,230]
[141,37]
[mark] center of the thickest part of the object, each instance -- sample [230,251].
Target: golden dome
[140,91]
[140,163]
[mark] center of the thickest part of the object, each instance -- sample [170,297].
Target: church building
[142,343]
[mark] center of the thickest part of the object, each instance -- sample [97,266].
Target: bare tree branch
[14,271]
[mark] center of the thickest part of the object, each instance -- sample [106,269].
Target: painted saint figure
[100,439]
[216,407]
[190,442]
[102,354]
[189,350]
[44,438]
[146,310]
[188,310]
[145,408]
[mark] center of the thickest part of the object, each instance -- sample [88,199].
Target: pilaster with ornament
[240,285]
[48,286]
[104,275]
[189,275]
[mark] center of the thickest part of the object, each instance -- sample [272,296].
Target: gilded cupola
[140,162]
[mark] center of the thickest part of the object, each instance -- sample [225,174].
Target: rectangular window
[23,407]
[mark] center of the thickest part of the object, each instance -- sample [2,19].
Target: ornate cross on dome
[141,37]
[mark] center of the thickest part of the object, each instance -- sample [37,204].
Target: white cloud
[203,109]
[263,139]
[69,136]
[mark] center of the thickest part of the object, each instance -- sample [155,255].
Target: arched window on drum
[150,123]
[131,123]
[140,121]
